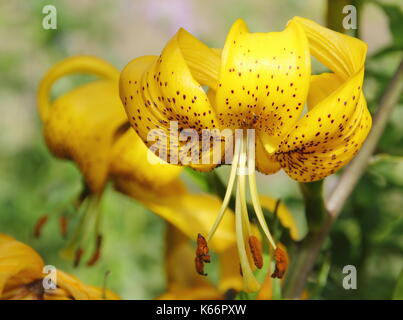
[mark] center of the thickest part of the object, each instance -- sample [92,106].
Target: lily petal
[321,87]
[156,91]
[80,125]
[133,160]
[230,276]
[341,53]
[265,162]
[190,213]
[264,80]
[77,290]
[19,264]
[332,132]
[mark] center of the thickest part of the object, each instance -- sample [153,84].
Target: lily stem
[309,248]
[314,204]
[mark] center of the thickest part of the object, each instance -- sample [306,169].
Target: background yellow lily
[21,275]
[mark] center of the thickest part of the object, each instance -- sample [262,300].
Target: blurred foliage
[369,233]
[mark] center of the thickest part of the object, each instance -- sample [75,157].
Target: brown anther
[202,249]
[78,254]
[281,263]
[63,226]
[199,264]
[256,251]
[39,225]
[202,255]
[97,253]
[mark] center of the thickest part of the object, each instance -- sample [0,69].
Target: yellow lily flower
[88,126]
[259,82]
[21,277]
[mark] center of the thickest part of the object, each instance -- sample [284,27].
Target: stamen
[256,250]
[89,212]
[77,258]
[254,194]
[250,282]
[98,240]
[39,225]
[63,226]
[97,253]
[202,255]
[231,180]
[281,263]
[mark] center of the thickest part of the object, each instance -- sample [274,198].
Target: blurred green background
[368,234]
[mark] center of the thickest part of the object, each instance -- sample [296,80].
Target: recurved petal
[76,290]
[185,65]
[19,264]
[305,166]
[73,65]
[132,160]
[168,90]
[338,121]
[341,53]
[143,115]
[321,87]
[81,126]
[190,213]
[230,276]
[264,79]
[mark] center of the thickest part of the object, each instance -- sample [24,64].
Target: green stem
[334,16]
[314,204]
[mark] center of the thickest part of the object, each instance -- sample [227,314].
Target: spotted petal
[157,91]
[332,132]
[264,80]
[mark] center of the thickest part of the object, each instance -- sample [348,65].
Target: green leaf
[199,178]
[398,293]
[386,169]
[386,50]
[395,17]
